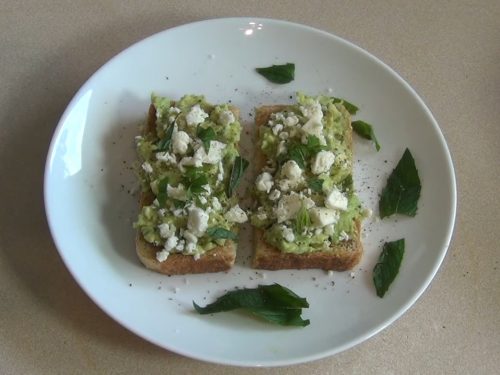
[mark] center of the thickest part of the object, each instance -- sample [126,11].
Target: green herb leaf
[365,130]
[278,73]
[302,220]
[351,108]
[178,203]
[239,167]
[162,191]
[315,184]
[194,180]
[164,143]
[217,232]
[314,145]
[402,191]
[273,303]
[387,268]
[301,153]
[206,135]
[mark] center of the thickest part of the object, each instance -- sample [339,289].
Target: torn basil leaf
[164,143]
[402,191]
[217,233]
[351,108]
[365,130]
[162,192]
[302,220]
[239,167]
[315,184]
[273,303]
[206,135]
[301,153]
[278,73]
[388,264]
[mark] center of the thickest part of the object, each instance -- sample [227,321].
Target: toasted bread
[342,256]
[220,258]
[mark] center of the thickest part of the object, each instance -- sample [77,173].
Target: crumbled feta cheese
[180,245]
[162,255]
[261,215]
[190,237]
[289,205]
[166,230]
[318,231]
[171,243]
[166,157]
[277,128]
[197,221]
[220,173]
[196,160]
[292,170]
[344,236]
[281,147]
[236,215]
[147,167]
[288,234]
[313,126]
[226,118]
[196,115]
[180,142]
[291,120]
[335,199]
[284,135]
[264,182]
[178,192]
[329,230]
[156,203]
[322,162]
[275,194]
[178,212]
[162,211]
[214,154]
[208,189]
[216,204]
[190,247]
[202,200]
[322,216]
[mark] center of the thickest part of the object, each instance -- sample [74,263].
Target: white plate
[90,211]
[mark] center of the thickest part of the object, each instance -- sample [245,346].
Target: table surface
[449,51]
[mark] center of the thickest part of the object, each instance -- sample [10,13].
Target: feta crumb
[178,212]
[202,200]
[180,142]
[166,230]
[343,236]
[274,195]
[277,128]
[313,126]
[178,192]
[216,204]
[226,118]
[190,237]
[336,200]
[291,121]
[180,245]
[322,216]
[281,148]
[197,221]
[162,255]
[322,162]
[196,115]
[162,211]
[264,182]
[352,274]
[288,234]
[284,135]
[171,243]
[220,174]
[166,157]
[290,204]
[292,170]
[236,215]
[214,154]
[147,167]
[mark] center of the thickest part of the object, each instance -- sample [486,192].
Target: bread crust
[341,257]
[220,258]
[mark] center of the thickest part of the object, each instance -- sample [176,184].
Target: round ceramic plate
[91,206]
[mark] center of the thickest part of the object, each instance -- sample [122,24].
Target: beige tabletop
[449,51]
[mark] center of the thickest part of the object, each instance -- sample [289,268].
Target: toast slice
[219,258]
[340,256]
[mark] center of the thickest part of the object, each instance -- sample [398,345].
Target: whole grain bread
[342,256]
[220,258]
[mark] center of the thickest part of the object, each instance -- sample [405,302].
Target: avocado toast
[188,218]
[307,214]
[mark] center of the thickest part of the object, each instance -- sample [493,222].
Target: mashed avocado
[186,159]
[305,195]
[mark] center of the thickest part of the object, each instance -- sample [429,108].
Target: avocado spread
[305,196]
[185,164]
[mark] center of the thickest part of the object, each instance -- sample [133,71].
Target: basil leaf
[388,264]
[315,184]
[206,135]
[351,108]
[273,303]
[313,145]
[302,220]
[194,180]
[402,191]
[301,153]
[365,130]
[162,192]
[164,143]
[178,203]
[278,73]
[217,232]
[239,167]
